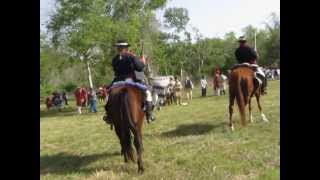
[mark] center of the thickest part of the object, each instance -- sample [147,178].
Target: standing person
[177,91]
[223,84]
[85,95]
[57,101]
[216,79]
[92,100]
[245,54]
[65,98]
[49,102]
[188,87]
[203,83]
[80,98]
[170,91]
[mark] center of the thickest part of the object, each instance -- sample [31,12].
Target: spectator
[223,84]
[204,84]
[177,91]
[49,102]
[92,96]
[80,98]
[188,88]
[216,80]
[57,101]
[65,98]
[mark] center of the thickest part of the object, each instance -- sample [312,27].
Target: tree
[177,18]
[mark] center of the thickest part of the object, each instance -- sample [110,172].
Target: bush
[46,90]
[69,87]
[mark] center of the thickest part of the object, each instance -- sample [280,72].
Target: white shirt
[223,77]
[203,83]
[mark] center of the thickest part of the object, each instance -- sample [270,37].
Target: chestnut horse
[126,113]
[242,87]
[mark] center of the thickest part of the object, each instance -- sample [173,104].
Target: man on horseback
[124,64]
[245,54]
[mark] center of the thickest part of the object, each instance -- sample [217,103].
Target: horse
[242,87]
[127,115]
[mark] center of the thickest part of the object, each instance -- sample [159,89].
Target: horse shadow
[193,129]
[64,163]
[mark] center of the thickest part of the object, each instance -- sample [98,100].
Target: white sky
[213,18]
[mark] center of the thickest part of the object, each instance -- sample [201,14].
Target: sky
[213,18]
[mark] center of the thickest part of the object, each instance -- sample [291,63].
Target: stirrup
[105,119]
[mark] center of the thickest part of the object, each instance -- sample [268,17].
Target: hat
[122,43]
[242,39]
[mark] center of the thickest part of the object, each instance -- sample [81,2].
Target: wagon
[159,89]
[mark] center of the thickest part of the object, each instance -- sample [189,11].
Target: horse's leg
[117,129]
[250,112]
[139,148]
[231,103]
[264,118]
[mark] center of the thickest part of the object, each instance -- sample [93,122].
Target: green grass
[185,142]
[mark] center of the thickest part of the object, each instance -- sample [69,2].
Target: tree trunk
[180,71]
[89,75]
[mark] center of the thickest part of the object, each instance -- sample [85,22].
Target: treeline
[83,31]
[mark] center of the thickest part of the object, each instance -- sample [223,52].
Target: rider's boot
[106,117]
[263,79]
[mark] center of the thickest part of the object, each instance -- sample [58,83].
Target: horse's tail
[127,125]
[242,98]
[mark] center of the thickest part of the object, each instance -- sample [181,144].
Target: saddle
[254,67]
[258,80]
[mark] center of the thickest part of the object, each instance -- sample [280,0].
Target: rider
[245,54]
[124,64]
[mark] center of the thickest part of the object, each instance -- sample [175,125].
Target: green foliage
[85,30]
[176,18]
[69,87]
[46,90]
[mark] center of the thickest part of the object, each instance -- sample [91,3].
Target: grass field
[185,142]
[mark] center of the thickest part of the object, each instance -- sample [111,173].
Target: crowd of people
[56,100]
[271,73]
[84,97]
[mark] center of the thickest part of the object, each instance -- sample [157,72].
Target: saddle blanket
[253,66]
[128,83]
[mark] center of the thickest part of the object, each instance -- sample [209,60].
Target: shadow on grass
[193,129]
[66,111]
[63,163]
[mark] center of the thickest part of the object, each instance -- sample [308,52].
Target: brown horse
[242,87]
[127,116]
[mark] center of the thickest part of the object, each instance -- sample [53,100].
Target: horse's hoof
[264,118]
[140,171]
[251,120]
